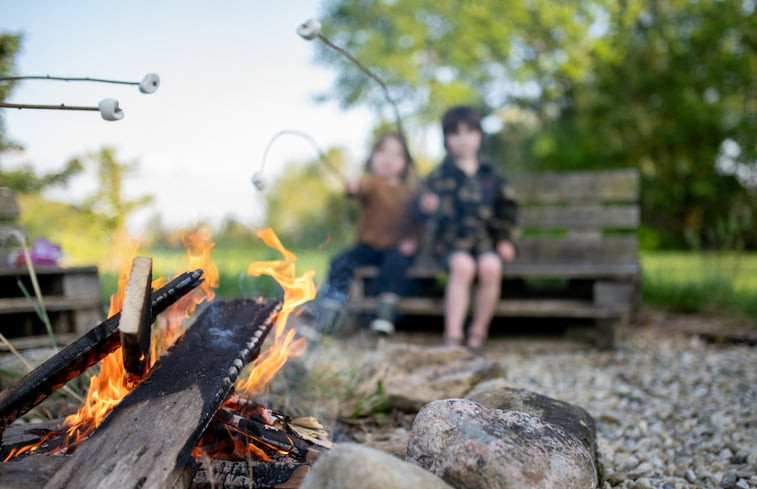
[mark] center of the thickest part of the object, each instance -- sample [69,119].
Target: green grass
[681,281]
[232,262]
[699,282]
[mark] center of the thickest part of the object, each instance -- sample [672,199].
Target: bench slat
[606,249]
[513,308]
[620,185]
[586,216]
[40,270]
[11,305]
[534,270]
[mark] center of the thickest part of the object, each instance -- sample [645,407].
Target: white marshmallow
[109,109]
[309,29]
[149,83]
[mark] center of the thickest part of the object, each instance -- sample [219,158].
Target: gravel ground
[672,410]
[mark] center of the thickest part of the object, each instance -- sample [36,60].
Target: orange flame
[297,291]
[108,388]
[170,324]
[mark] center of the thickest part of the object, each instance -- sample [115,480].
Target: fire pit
[186,417]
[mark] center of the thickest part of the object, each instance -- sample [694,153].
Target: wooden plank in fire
[147,440]
[136,319]
[82,354]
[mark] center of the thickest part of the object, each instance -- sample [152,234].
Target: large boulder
[472,446]
[573,419]
[349,466]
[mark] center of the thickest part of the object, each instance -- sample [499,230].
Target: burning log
[136,318]
[173,405]
[225,474]
[276,435]
[82,354]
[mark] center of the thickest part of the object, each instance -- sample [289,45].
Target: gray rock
[351,466]
[471,446]
[573,419]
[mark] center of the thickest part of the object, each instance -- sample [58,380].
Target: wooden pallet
[577,257]
[71,297]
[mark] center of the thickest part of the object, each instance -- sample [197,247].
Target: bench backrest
[578,217]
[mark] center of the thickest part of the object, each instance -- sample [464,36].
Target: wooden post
[147,440]
[136,319]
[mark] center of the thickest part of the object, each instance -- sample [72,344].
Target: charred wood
[224,474]
[32,471]
[173,405]
[82,354]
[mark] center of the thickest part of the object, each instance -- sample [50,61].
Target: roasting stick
[257,178]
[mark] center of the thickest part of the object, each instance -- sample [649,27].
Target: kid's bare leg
[489,280]
[462,271]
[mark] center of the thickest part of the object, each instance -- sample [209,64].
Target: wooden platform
[577,254]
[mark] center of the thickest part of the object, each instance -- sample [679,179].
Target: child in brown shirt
[383,235]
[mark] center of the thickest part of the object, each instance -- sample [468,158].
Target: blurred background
[668,87]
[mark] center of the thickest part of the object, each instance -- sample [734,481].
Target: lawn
[232,262]
[701,282]
[681,281]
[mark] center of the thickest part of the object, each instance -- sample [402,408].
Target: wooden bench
[577,254]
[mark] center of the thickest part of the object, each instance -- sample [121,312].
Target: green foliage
[109,199]
[9,47]
[25,180]
[80,233]
[307,206]
[659,86]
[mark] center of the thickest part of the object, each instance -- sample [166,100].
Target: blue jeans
[391,278]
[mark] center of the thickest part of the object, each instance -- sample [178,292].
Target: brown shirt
[385,211]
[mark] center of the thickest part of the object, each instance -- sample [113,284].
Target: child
[474,223]
[383,231]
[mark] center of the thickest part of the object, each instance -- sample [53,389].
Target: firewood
[306,427]
[82,354]
[147,440]
[32,471]
[136,319]
[270,435]
[310,429]
[226,474]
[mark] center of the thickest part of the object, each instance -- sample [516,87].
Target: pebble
[672,411]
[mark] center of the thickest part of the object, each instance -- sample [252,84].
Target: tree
[659,85]
[320,217]
[109,199]
[9,46]
[683,88]
[23,179]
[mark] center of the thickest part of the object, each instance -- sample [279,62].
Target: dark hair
[405,151]
[461,114]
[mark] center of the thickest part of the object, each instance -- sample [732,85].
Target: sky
[233,74]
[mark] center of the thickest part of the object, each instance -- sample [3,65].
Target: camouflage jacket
[475,212]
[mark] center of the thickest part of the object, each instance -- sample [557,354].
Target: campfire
[172,405]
